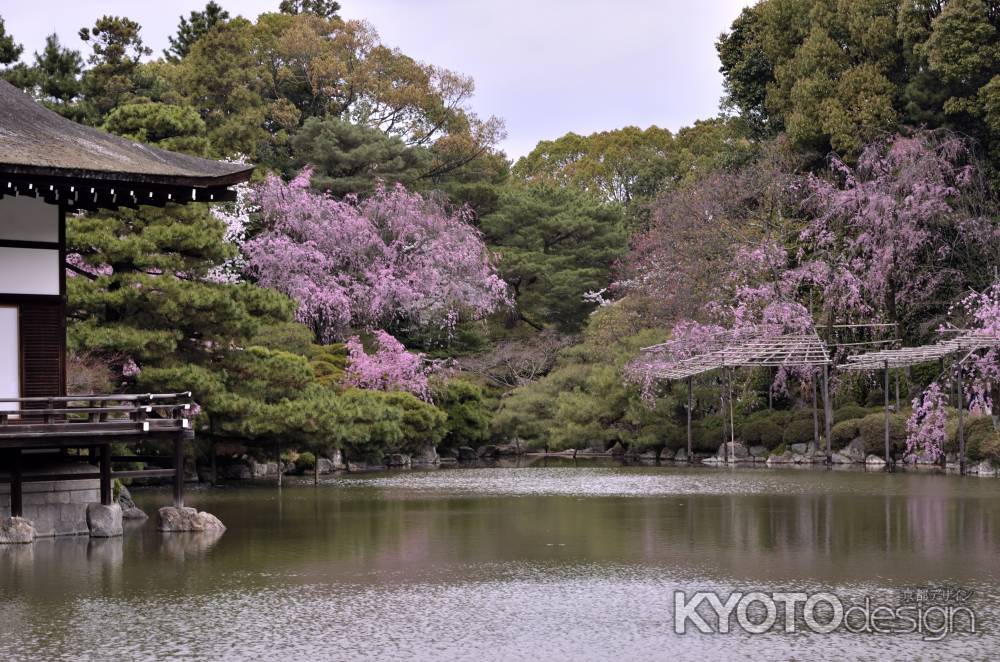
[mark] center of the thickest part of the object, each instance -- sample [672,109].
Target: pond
[560,560]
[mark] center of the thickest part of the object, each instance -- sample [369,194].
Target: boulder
[713,460]
[855,450]
[467,454]
[801,449]
[667,454]
[398,460]
[129,509]
[426,457]
[509,449]
[104,521]
[874,461]
[16,531]
[785,458]
[617,449]
[985,469]
[487,452]
[173,520]
[733,452]
[324,465]
[758,451]
[840,458]
[681,455]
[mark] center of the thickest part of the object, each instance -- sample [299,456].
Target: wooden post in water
[106,474]
[16,485]
[888,456]
[179,470]
[215,470]
[827,411]
[732,417]
[815,412]
[278,453]
[689,406]
[897,390]
[961,423]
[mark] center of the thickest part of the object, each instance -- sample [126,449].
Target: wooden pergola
[966,341]
[750,351]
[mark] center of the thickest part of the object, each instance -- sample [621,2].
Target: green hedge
[761,432]
[798,431]
[871,429]
[849,412]
[844,432]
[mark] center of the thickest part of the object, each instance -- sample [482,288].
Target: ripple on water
[520,612]
[656,481]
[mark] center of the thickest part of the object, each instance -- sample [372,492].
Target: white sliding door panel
[28,219]
[29,271]
[10,363]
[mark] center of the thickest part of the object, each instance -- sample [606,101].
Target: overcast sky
[545,66]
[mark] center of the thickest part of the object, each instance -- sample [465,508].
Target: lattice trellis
[966,341]
[790,350]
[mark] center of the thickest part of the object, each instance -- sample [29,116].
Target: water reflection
[476,562]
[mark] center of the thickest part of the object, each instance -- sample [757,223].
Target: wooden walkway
[91,423]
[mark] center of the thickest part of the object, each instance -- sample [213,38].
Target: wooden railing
[94,422]
[72,417]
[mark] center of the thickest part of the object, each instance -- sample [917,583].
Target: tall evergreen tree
[193,28]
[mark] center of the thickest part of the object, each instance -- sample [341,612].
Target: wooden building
[51,167]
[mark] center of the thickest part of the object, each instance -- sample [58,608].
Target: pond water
[555,561]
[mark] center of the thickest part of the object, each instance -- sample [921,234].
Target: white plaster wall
[29,270]
[28,219]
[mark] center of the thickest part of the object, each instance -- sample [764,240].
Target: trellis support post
[690,404]
[888,457]
[827,411]
[961,423]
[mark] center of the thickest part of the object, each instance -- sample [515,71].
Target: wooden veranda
[84,427]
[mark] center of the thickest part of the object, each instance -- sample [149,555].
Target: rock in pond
[16,531]
[785,458]
[129,509]
[733,452]
[874,461]
[855,450]
[467,454]
[666,454]
[681,455]
[398,460]
[173,519]
[985,469]
[104,521]
[426,457]
[758,451]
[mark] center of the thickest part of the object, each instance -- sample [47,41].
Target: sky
[546,67]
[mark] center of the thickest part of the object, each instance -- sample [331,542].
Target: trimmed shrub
[306,461]
[871,429]
[763,432]
[849,412]
[844,433]
[799,431]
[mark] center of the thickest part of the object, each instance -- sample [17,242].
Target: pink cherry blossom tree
[883,234]
[389,368]
[394,260]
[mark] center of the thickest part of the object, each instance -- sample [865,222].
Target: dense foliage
[851,178]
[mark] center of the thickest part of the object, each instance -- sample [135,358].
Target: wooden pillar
[277,452]
[16,484]
[961,423]
[815,412]
[690,405]
[897,390]
[725,447]
[732,415]
[888,455]
[105,474]
[214,464]
[827,411]
[179,471]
